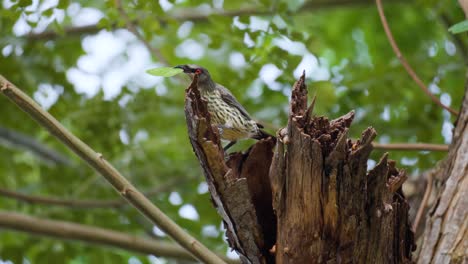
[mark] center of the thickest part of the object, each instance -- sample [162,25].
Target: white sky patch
[237,60]
[18,51]
[87,16]
[447,133]
[47,95]
[101,48]
[445,99]
[115,58]
[165,5]
[7,4]
[450,48]
[202,188]
[336,74]
[258,24]
[73,9]
[236,23]
[124,137]
[232,254]
[362,50]
[371,164]
[141,135]
[112,83]
[308,64]
[255,90]
[7,50]
[434,88]
[316,70]
[279,22]
[158,232]
[268,74]
[175,198]
[21,27]
[292,47]
[190,49]
[155,260]
[125,100]
[134,260]
[188,211]
[204,9]
[84,83]
[210,231]
[248,40]
[384,139]
[340,90]
[218,4]
[409,161]
[34,15]
[386,113]
[161,90]
[185,29]
[433,49]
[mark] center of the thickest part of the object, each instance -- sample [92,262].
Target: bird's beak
[183,67]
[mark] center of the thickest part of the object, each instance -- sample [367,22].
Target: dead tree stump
[306,197]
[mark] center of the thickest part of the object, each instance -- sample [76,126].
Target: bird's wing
[231,100]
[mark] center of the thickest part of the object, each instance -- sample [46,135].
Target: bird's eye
[198,71]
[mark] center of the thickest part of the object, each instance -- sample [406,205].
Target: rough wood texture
[240,187]
[446,233]
[328,208]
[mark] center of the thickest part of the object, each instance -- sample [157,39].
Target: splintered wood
[306,197]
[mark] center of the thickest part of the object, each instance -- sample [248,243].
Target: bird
[226,113]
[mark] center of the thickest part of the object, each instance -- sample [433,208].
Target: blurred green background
[79,60]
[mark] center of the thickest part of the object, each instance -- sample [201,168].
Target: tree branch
[97,161]
[445,238]
[90,234]
[82,204]
[405,64]
[411,146]
[26,142]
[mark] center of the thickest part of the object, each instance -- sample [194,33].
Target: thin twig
[90,234]
[411,146]
[403,61]
[81,204]
[130,25]
[424,201]
[96,160]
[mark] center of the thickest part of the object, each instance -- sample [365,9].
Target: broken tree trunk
[445,236]
[306,197]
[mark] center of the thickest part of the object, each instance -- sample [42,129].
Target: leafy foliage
[459,27]
[93,81]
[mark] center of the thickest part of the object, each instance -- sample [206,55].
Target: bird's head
[191,70]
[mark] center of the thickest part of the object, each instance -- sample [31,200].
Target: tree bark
[329,209]
[446,234]
[239,187]
[306,197]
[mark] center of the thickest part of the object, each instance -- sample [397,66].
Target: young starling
[226,112]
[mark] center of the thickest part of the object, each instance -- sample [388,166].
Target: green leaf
[164,71]
[24,3]
[459,27]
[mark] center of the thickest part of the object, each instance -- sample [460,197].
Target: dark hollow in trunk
[306,197]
